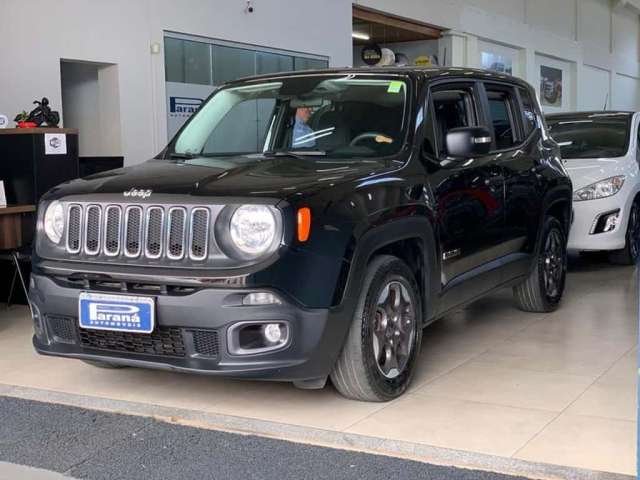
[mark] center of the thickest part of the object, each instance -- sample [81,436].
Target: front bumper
[586,214]
[191,334]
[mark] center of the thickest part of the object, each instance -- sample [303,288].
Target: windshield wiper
[183,156]
[299,154]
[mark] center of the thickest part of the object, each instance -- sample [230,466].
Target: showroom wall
[593,46]
[589,47]
[37,35]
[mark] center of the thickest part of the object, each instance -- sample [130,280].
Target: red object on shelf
[27,125]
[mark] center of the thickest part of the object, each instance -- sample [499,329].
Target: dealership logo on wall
[371,54]
[183,106]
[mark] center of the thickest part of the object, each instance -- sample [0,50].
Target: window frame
[451,85]
[515,112]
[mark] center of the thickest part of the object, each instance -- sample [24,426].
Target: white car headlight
[253,229]
[54,222]
[602,189]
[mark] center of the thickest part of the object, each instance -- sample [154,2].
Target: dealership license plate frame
[147,324]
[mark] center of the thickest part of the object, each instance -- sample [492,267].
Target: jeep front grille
[139,231]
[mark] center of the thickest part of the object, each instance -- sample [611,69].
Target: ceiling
[384,28]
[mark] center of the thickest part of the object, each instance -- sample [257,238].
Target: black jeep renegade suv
[308,225]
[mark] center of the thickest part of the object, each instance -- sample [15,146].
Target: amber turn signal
[304,224]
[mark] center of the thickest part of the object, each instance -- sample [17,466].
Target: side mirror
[468,142]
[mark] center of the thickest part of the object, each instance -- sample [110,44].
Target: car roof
[411,71]
[589,114]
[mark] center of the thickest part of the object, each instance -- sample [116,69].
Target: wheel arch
[410,239]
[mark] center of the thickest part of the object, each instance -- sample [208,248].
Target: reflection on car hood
[279,177]
[585,171]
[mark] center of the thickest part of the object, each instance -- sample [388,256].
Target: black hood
[279,177]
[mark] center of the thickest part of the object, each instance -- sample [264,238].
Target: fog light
[249,338]
[273,333]
[606,222]
[611,223]
[261,298]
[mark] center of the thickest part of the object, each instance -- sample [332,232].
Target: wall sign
[55,144]
[371,54]
[183,100]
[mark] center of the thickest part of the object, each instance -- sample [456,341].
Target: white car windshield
[600,135]
[346,116]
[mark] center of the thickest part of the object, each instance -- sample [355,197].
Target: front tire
[542,290]
[379,355]
[630,253]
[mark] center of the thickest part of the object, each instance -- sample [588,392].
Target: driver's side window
[453,108]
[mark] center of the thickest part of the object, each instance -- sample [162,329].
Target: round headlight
[54,222]
[253,229]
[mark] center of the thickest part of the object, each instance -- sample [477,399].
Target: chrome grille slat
[133,231]
[74,228]
[199,233]
[111,230]
[154,232]
[176,231]
[92,230]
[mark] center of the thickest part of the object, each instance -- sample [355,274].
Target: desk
[11,225]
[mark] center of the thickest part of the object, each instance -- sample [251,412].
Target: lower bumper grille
[163,341]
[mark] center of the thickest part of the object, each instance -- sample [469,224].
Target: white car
[602,153]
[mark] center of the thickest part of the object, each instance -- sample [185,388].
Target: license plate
[120,313]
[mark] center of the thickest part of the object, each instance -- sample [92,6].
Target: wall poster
[550,86]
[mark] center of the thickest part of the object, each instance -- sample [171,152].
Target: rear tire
[543,289]
[630,253]
[105,365]
[379,354]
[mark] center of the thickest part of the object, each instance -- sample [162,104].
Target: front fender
[375,239]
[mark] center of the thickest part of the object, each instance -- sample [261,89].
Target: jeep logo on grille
[134,192]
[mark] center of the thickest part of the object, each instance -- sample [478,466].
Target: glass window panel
[530,120]
[232,63]
[197,63]
[237,131]
[500,107]
[303,63]
[174,59]
[265,115]
[273,63]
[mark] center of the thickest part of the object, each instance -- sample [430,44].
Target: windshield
[598,135]
[315,115]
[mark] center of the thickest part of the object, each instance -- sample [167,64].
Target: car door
[468,196]
[516,138]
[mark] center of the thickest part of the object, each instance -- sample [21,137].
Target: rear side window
[502,110]
[528,112]
[453,108]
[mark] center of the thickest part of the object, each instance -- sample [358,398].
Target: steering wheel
[366,136]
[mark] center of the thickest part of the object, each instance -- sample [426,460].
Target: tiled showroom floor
[556,389]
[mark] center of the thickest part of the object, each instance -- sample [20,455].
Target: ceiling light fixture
[360,36]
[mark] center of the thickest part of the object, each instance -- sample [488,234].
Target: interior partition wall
[195,66]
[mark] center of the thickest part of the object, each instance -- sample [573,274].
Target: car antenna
[606,100]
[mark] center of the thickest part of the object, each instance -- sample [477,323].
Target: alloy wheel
[554,259]
[394,329]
